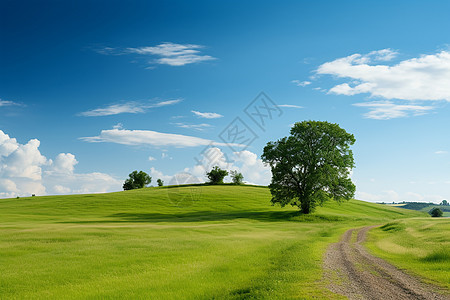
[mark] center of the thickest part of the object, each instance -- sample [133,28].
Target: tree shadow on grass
[199,216]
[211,216]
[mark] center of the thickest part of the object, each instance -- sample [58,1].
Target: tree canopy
[216,175]
[236,177]
[137,180]
[311,165]
[436,212]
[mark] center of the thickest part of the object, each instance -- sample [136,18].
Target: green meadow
[193,242]
[419,245]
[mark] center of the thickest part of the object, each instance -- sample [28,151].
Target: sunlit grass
[200,242]
[419,245]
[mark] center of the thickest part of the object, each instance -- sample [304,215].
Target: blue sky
[92,90]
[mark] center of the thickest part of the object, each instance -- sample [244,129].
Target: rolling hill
[184,242]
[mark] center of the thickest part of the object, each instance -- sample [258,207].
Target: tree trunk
[305,205]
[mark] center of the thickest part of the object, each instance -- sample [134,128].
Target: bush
[216,175]
[436,212]
[136,180]
[160,182]
[236,177]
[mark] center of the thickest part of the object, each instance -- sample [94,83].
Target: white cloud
[301,83]
[393,196]
[253,168]
[8,103]
[384,110]
[25,171]
[290,106]
[132,107]
[206,115]
[64,163]
[150,138]
[199,127]
[114,109]
[171,54]
[422,78]
[246,162]
[441,152]
[151,158]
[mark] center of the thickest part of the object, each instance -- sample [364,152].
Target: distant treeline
[422,205]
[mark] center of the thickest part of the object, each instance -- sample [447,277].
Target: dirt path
[351,271]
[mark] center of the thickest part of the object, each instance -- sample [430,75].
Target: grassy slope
[421,245]
[184,242]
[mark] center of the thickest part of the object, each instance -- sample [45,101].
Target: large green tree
[311,165]
[137,180]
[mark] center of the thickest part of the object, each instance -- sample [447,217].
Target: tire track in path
[351,271]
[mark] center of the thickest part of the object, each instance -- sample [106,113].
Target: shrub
[216,175]
[436,212]
[236,177]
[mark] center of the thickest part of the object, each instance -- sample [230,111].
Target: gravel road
[351,271]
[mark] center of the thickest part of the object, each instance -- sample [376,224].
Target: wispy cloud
[132,107]
[151,138]
[301,83]
[441,152]
[290,106]
[9,103]
[206,115]
[385,110]
[171,54]
[199,127]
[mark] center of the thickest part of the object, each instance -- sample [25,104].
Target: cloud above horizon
[151,138]
[246,162]
[414,80]
[167,53]
[25,171]
[132,107]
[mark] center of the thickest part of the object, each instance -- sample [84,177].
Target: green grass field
[191,242]
[420,245]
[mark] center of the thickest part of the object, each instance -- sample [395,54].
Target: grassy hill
[423,206]
[187,242]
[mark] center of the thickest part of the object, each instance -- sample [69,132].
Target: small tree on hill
[216,175]
[137,180]
[436,212]
[236,177]
[160,182]
[311,165]
[444,203]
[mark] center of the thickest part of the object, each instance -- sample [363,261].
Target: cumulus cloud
[25,171]
[421,78]
[206,115]
[404,86]
[132,107]
[246,162]
[151,138]
[171,54]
